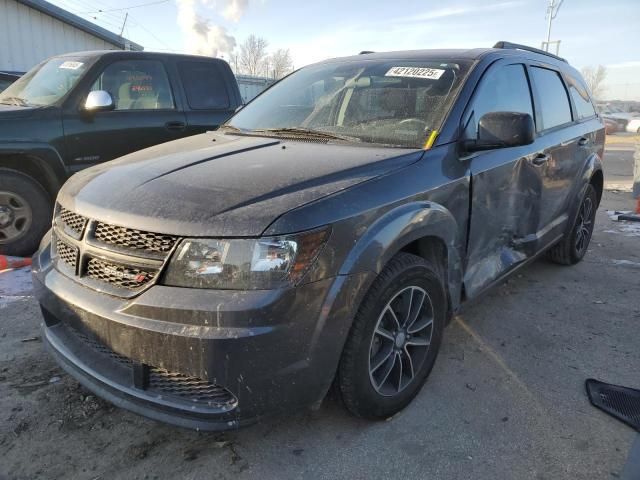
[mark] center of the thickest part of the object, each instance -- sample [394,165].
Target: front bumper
[252,353]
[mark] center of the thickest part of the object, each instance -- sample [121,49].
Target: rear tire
[573,246]
[25,213]
[394,340]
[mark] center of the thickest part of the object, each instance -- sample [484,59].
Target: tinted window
[136,85]
[504,89]
[205,85]
[554,103]
[580,97]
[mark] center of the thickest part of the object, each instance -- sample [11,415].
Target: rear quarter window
[581,100]
[554,102]
[204,85]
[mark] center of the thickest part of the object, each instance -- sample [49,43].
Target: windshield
[397,103]
[46,83]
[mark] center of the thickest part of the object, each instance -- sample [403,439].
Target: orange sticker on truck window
[415,72]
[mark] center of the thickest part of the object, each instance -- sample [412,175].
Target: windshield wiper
[306,132]
[18,101]
[231,128]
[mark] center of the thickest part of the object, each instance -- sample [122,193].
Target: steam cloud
[201,36]
[235,9]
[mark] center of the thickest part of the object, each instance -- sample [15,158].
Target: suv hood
[222,185]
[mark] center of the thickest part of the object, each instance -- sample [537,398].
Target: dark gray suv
[325,235]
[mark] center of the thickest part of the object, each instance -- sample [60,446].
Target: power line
[128,8]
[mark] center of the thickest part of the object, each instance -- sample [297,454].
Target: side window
[504,89]
[580,97]
[136,85]
[204,85]
[554,103]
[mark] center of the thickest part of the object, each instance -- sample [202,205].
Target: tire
[363,387]
[25,213]
[575,243]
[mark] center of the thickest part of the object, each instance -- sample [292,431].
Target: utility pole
[552,12]
[124,23]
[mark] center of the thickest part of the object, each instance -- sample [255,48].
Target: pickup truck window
[394,103]
[136,85]
[46,83]
[204,86]
[554,102]
[503,89]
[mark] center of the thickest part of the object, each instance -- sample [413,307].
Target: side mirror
[502,130]
[98,101]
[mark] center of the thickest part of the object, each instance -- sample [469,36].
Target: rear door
[506,186]
[561,145]
[210,100]
[146,113]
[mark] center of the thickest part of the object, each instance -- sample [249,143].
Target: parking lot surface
[506,398]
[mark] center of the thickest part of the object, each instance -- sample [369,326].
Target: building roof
[81,24]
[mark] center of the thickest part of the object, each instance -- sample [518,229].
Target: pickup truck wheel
[573,247]
[394,340]
[25,213]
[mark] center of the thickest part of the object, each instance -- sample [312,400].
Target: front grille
[191,388]
[134,239]
[165,382]
[72,222]
[119,275]
[67,253]
[101,348]
[113,259]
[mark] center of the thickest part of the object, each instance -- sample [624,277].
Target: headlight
[244,264]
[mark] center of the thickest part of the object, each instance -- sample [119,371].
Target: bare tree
[595,78]
[253,53]
[281,63]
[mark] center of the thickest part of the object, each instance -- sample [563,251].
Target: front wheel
[573,247]
[25,213]
[394,340]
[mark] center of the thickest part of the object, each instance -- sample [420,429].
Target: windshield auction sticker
[68,65]
[415,72]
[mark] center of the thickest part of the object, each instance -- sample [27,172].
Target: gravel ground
[505,400]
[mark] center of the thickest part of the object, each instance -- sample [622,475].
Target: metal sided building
[32,30]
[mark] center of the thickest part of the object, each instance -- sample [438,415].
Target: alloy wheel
[401,340]
[584,225]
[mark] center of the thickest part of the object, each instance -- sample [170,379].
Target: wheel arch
[42,165]
[425,229]
[597,180]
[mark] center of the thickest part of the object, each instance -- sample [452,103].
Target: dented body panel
[476,216]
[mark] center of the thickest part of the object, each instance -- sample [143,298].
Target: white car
[633,125]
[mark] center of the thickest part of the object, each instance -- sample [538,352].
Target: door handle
[175,125]
[540,159]
[583,142]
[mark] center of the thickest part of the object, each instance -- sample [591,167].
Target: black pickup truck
[76,110]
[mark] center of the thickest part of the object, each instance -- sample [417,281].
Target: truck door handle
[583,142]
[175,125]
[540,159]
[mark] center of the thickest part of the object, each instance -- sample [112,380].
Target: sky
[592,32]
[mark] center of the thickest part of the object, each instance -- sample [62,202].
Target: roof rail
[365,52]
[517,46]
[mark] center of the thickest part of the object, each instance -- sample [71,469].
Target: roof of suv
[455,54]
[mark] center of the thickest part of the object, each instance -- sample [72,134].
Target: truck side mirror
[502,130]
[99,101]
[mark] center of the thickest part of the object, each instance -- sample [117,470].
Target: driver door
[145,114]
[506,184]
